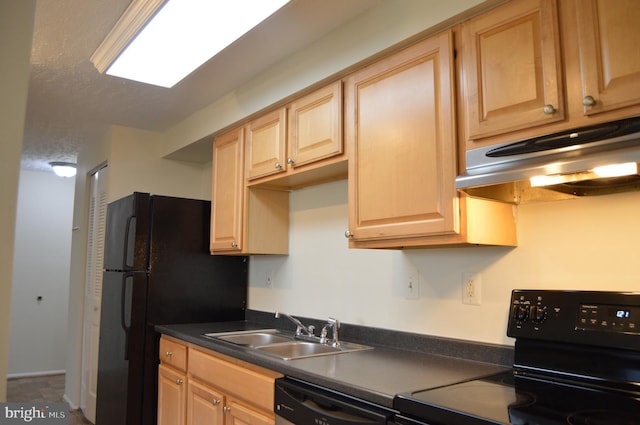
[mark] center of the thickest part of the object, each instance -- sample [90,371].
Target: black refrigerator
[157,270]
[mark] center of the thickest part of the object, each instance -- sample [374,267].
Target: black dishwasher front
[301,403]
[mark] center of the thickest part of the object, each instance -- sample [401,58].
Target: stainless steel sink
[302,349]
[252,338]
[285,347]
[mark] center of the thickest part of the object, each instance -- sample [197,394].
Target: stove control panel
[611,318]
[583,317]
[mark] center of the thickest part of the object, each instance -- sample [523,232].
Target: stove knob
[521,313]
[539,314]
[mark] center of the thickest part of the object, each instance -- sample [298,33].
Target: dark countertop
[373,375]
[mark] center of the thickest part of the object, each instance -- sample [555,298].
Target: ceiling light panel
[184,34]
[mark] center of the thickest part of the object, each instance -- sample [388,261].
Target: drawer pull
[179,381]
[168,354]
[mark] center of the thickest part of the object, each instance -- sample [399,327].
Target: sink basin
[285,347]
[251,338]
[256,339]
[302,349]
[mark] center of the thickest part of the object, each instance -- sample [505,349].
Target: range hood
[568,163]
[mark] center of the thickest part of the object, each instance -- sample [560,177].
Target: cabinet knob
[278,165]
[348,234]
[215,402]
[179,381]
[588,101]
[226,409]
[168,354]
[234,244]
[549,109]
[290,161]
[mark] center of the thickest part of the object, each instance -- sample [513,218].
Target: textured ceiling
[70,103]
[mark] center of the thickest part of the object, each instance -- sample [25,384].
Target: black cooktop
[576,362]
[508,399]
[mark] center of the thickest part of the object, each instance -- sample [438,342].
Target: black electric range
[577,362]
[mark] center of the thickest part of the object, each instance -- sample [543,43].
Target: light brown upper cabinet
[511,67]
[266,144]
[244,220]
[298,144]
[534,67]
[227,199]
[609,49]
[400,130]
[315,126]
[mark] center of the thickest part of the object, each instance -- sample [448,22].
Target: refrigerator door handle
[125,308]
[125,251]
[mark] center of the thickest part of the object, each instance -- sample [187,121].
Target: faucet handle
[305,330]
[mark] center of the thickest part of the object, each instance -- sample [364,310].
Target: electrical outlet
[269,279]
[471,288]
[412,291]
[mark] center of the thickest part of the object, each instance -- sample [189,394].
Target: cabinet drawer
[232,379]
[173,353]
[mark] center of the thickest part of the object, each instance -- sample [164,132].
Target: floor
[42,389]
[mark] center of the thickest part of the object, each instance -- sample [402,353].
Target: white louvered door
[93,290]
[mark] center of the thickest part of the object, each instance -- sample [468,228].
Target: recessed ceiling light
[180,37]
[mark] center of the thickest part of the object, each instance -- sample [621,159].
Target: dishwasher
[301,403]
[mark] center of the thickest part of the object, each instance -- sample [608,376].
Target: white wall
[588,243]
[16,29]
[136,163]
[38,337]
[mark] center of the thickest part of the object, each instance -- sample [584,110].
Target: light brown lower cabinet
[171,396]
[215,390]
[204,405]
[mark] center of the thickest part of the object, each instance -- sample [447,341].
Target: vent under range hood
[569,161]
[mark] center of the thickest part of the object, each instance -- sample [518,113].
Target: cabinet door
[204,405]
[228,192]
[315,126]
[171,396]
[238,414]
[511,73]
[609,43]
[400,129]
[266,145]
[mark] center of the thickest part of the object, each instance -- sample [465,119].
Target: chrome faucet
[334,324]
[300,328]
